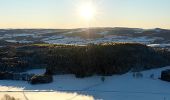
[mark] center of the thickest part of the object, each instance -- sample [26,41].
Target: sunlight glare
[87,11]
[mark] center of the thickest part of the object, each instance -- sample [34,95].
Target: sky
[65,13]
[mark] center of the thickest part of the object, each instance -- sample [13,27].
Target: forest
[82,60]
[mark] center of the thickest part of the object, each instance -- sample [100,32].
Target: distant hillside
[87,33]
[84,36]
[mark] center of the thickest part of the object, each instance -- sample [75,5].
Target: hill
[83,60]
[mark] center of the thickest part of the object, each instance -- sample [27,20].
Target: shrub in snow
[102,78]
[137,75]
[165,75]
[133,75]
[8,97]
[152,76]
[40,79]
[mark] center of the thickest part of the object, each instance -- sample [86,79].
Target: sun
[87,11]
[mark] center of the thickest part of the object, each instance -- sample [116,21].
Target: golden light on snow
[45,96]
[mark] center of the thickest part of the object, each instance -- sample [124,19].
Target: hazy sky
[64,13]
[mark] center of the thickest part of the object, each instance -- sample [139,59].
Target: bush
[165,75]
[152,76]
[40,79]
[137,75]
[8,97]
[102,78]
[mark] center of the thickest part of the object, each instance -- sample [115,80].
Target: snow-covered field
[80,41]
[67,87]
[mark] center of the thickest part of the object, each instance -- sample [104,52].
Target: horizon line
[86,28]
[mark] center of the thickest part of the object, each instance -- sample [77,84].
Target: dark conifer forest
[82,60]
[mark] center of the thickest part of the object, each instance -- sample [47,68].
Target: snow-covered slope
[118,87]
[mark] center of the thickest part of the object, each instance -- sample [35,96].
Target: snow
[103,33]
[17,35]
[80,41]
[62,38]
[12,41]
[22,35]
[159,45]
[118,87]
[36,71]
[47,96]
[65,40]
[21,41]
[24,41]
[54,37]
